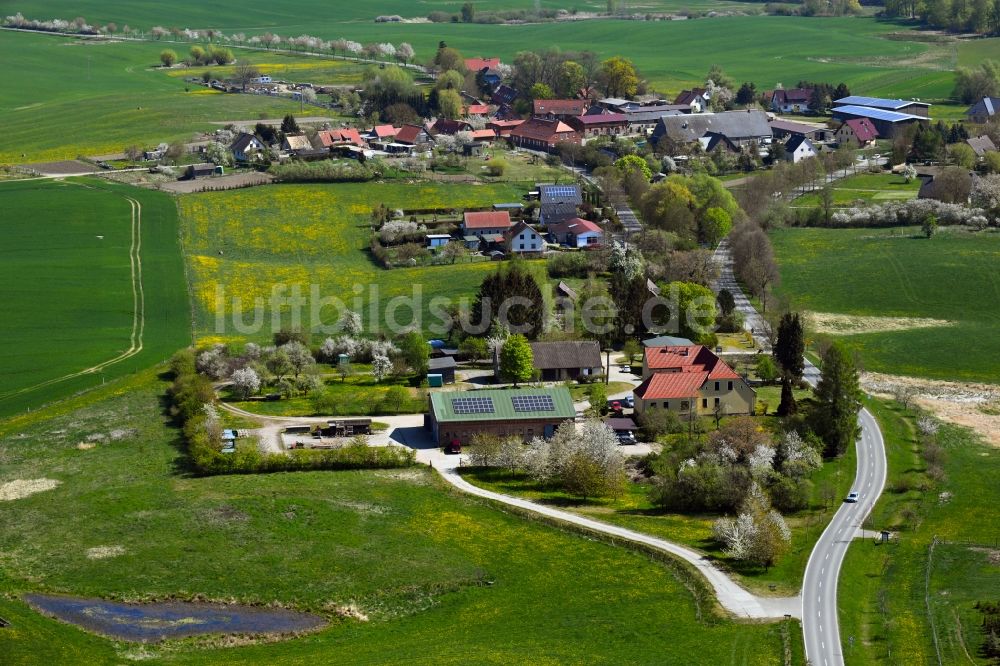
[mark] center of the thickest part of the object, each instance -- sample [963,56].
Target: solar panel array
[878,114]
[472,405]
[532,403]
[561,190]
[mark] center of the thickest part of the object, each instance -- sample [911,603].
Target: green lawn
[64,97]
[444,579]
[247,242]
[896,273]
[67,286]
[882,587]
[865,188]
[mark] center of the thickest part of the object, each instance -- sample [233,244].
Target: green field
[443,579]
[68,287]
[882,588]
[65,97]
[865,188]
[898,273]
[248,242]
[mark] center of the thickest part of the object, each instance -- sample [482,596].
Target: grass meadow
[865,188]
[898,273]
[64,98]
[882,588]
[249,241]
[443,579]
[67,286]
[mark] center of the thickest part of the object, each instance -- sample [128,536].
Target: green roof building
[455,416]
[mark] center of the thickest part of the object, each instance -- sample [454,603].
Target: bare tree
[244,74]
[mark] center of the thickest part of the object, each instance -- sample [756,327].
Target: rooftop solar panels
[876,102]
[877,114]
[560,190]
[472,405]
[532,403]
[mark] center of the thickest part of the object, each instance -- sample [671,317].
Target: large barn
[456,416]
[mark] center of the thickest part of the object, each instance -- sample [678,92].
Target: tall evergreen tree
[788,351]
[838,397]
[513,292]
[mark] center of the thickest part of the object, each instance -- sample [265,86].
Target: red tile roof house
[484,135]
[856,132]
[541,134]
[608,124]
[383,132]
[479,64]
[486,223]
[412,135]
[503,128]
[477,110]
[691,379]
[339,137]
[577,232]
[793,100]
[445,126]
[562,109]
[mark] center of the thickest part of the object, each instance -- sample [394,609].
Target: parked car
[454,447]
[626,437]
[615,405]
[852,497]
[629,401]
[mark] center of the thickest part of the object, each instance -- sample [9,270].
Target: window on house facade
[716,402]
[716,386]
[704,403]
[522,246]
[652,404]
[685,405]
[730,386]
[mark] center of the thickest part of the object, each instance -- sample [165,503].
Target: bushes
[192,400]
[325,171]
[910,213]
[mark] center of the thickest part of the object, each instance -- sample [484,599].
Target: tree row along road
[820,626]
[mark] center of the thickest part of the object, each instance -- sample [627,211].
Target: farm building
[604,124]
[984,110]
[981,145]
[644,119]
[558,203]
[887,123]
[739,127]
[340,137]
[782,129]
[486,223]
[203,170]
[911,107]
[856,132]
[542,134]
[444,366]
[559,109]
[567,359]
[503,128]
[457,416]
[793,100]
[479,64]
[691,379]
[412,135]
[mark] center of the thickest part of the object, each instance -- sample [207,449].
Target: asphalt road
[820,626]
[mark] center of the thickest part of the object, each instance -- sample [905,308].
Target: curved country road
[820,626]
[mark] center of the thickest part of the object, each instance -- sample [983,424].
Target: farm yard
[388,557]
[249,241]
[68,287]
[894,274]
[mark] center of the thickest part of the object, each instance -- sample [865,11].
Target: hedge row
[192,400]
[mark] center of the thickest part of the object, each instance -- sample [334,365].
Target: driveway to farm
[820,625]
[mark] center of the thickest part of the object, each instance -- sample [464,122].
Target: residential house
[521,239]
[544,135]
[340,137]
[484,135]
[856,132]
[691,380]
[698,99]
[793,100]
[247,148]
[783,129]
[558,203]
[667,341]
[910,107]
[455,417]
[412,135]
[560,109]
[503,128]
[799,148]
[382,133]
[486,223]
[571,359]
[504,95]
[643,120]
[984,110]
[931,188]
[605,124]
[741,128]
[482,110]
[577,232]
[981,145]
[887,123]
[479,64]
[450,127]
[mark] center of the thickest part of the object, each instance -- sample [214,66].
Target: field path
[138,309]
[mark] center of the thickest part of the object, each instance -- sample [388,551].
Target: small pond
[172,619]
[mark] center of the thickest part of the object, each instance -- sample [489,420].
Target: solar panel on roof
[561,191]
[878,114]
[472,405]
[532,403]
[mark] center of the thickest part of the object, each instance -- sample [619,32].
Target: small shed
[443,366]
[437,240]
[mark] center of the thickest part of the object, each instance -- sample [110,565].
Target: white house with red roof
[577,232]
[686,379]
[486,223]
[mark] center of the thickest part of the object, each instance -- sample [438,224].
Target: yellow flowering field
[243,244]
